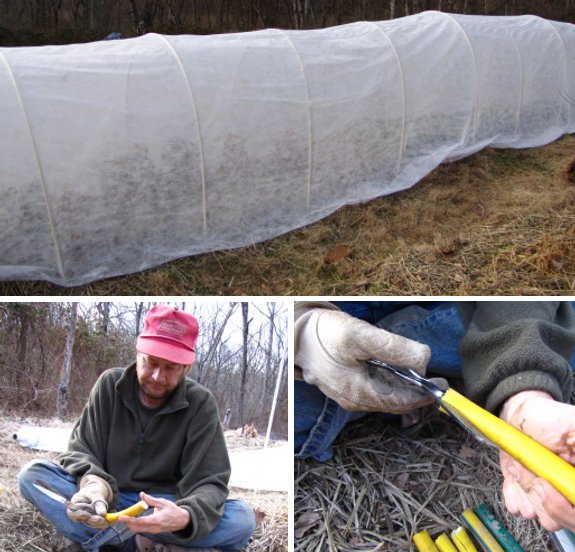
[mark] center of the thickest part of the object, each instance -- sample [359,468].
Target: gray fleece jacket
[513,346]
[182,451]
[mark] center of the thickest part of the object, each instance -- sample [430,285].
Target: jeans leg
[440,328]
[231,534]
[318,420]
[64,484]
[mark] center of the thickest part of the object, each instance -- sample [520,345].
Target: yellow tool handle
[531,454]
[462,541]
[424,542]
[480,532]
[444,544]
[132,511]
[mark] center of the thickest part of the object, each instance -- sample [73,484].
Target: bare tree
[104,310]
[214,344]
[54,352]
[244,372]
[62,395]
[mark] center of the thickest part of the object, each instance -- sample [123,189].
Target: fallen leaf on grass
[466,452]
[304,523]
[260,515]
[338,253]
[401,480]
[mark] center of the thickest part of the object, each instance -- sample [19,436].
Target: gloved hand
[90,504]
[331,348]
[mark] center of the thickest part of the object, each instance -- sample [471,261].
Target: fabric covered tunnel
[116,156]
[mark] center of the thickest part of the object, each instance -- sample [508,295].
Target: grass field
[501,222]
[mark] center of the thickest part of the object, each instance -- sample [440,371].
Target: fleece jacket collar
[125,388]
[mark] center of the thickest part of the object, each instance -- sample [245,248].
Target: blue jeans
[232,532]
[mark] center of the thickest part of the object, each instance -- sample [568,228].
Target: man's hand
[167,517]
[90,504]
[331,348]
[551,423]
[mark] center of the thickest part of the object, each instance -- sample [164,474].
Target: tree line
[26,21]
[51,354]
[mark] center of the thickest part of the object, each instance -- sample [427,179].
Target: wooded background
[51,354]
[31,22]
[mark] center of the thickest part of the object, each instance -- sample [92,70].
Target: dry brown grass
[383,485]
[23,529]
[500,222]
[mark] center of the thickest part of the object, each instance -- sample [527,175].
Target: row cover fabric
[265,469]
[116,156]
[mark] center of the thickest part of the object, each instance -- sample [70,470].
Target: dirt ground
[385,484]
[23,529]
[501,222]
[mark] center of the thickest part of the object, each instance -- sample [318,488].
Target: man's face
[157,378]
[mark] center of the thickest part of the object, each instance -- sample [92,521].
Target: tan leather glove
[90,504]
[331,348]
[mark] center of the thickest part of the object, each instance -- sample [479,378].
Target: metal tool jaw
[427,386]
[410,376]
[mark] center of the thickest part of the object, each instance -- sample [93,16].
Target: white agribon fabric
[116,156]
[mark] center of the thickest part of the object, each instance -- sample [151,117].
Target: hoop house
[116,156]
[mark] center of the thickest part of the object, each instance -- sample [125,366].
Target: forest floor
[501,222]
[24,529]
[385,484]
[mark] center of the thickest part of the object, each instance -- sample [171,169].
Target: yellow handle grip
[132,511]
[424,542]
[462,540]
[444,544]
[480,532]
[531,454]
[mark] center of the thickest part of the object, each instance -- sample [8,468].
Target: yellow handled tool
[132,511]
[480,532]
[531,454]
[445,544]
[424,542]
[462,540]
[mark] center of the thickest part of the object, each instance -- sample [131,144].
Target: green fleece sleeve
[205,471]
[88,441]
[514,346]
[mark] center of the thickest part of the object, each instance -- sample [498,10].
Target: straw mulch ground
[501,222]
[22,528]
[385,484]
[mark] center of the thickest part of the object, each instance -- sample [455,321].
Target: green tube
[484,537]
[497,529]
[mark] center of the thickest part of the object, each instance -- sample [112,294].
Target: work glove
[331,350]
[90,504]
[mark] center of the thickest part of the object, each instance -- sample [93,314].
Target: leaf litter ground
[384,484]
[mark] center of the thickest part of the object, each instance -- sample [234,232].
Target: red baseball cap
[169,333]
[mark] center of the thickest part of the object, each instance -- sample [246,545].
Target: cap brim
[166,349]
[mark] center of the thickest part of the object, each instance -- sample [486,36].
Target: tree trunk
[62,395]
[104,310]
[22,347]
[246,323]
[269,351]
[199,372]
[139,311]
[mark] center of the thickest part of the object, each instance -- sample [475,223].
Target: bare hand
[167,517]
[551,423]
